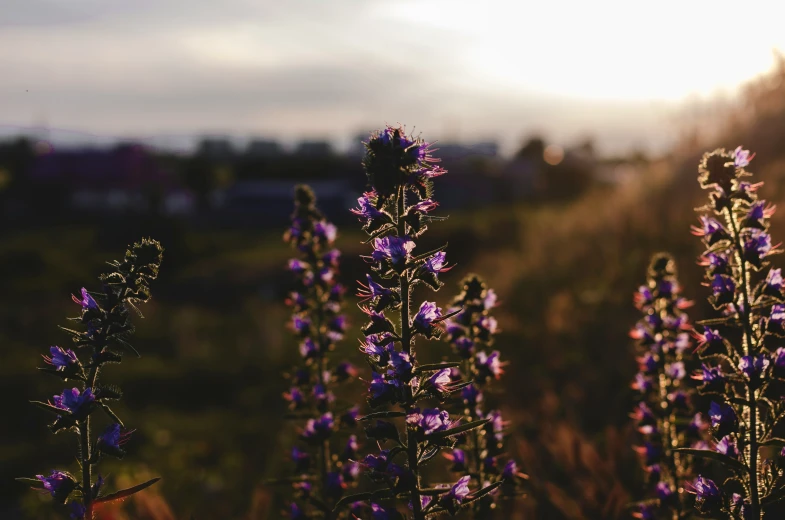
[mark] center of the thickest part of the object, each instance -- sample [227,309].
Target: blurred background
[571,133]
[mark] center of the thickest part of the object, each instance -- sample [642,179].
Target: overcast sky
[496,69]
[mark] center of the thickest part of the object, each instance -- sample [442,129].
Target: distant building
[263,148]
[215,148]
[457,151]
[271,202]
[125,178]
[314,149]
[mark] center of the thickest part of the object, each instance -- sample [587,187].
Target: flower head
[74,401]
[112,440]
[62,360]
[87,302]
[59,484]
[396,250]
[723,419]
[428,315]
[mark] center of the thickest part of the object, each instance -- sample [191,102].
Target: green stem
[752,406]
[406,345]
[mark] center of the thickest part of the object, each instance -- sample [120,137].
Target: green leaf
[459,429]
[381,415]
[484,491]
[112,415]
[49,408]
[436,366]
[774,496]
[119,495]
[28,480]
[717,457]
[429,253]
[319,504]
[362,497]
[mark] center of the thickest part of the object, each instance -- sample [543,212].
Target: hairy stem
[406,345]
[752,405]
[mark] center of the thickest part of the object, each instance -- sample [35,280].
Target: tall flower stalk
[395,212]
[322,473]
[742,349]
[106,328]
[665,416]
[471,332]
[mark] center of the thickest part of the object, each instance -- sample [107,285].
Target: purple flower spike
[76,511]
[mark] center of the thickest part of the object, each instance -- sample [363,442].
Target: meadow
[206,396]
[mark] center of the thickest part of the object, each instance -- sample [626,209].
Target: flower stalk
[107,327]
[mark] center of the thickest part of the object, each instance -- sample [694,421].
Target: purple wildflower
[707,496]
[753,367]
[436,264]
[59,484]
[63,360]
[393,248]
[431,420]
[711,230]
[676,370]
[367,210]
[488,366]
[334,485]
[727,446]
[427,316]
[440,381]
[325,231]
[723,419]
[712,378]
[319,429]
[74,401]
[87,302]
[301,459]
[458,459]
[741,158]
[112,440]
[774,282]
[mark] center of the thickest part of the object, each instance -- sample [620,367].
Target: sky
[619,71]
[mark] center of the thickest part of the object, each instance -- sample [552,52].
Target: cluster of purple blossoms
[742,350]
[395,212]
[106,319]
[664,415]
[321,473]
[470,332]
